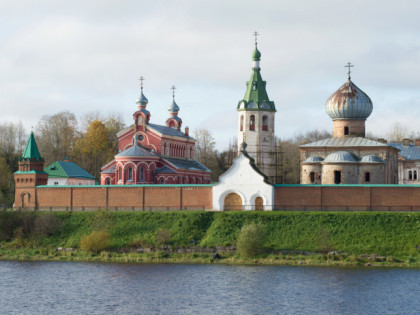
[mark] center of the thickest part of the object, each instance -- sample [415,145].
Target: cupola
[142,115]
[173,121]
[349,107]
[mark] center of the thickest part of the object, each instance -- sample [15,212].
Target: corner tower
[30,174]
[256,120]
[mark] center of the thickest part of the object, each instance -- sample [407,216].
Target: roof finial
[255,34]
[349,65]
[173,88]
[141,82]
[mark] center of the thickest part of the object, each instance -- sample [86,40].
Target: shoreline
[159,257]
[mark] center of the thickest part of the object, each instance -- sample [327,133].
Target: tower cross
[349,65]
[255,34]
[173,88]
[141,82]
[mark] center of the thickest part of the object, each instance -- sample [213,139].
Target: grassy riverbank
[313,238]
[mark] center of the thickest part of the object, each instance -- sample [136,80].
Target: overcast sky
[86,56]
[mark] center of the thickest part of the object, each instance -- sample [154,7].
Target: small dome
[313,159]
[349,102]
[173,108]
[256,55]
[371,158]
[142,100]
[341,157]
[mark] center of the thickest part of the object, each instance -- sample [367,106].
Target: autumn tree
[93,149]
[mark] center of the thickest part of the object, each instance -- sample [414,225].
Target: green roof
[256,97]
[29,172]
[31,149]
[67,169]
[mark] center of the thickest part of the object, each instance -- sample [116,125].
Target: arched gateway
[233,202]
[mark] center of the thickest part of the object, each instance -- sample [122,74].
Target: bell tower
[256,115]
[30,174]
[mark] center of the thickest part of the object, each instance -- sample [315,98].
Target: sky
[87,56]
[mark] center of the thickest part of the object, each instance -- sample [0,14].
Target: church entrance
[259,204]
[25,199]
[232,202]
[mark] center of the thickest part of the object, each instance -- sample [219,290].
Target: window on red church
[130,173]
[107,181]
[252,122]
[242,122]
[162,180]
[142,174]
[119,173]
[265,123]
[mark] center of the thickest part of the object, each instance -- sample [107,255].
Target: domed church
[348,157]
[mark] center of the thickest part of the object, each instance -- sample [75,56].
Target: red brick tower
[30,174]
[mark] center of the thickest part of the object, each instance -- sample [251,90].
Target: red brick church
[154,154]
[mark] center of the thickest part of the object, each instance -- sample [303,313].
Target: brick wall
[151,197]
[343,197]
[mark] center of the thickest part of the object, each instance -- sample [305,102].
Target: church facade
[348,157]
[154,154]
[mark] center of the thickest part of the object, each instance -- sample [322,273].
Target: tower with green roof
[256,115]
[30,174]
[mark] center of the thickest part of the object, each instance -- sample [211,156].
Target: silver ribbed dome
[349,102]
[313,159]
[341,157]
[371,158]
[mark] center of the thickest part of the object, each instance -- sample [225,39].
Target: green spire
[256,97]
[31,149]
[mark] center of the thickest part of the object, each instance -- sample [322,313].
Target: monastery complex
[155,167]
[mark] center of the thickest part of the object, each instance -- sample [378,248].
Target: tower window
[367,177]
[254,85]
[242,123]
[337,177]
[312,177]
[265,123]
[346,130]
[252,122]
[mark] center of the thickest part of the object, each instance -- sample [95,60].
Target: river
[91,288]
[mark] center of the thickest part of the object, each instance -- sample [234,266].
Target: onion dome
[142,100]
[371,158]
[341,157]
[349,102]
[173,108]
[313,159]
[256,55]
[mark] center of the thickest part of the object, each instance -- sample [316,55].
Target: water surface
[90,288]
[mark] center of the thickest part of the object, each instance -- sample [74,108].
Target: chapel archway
[232,202]
[25,197]
[259,204]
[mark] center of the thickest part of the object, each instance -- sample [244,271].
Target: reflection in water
[28,287]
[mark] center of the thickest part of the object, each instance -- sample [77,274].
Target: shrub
[8,224]
[324,242]
[95,241]
[46,225]
[163,237]
[251,240]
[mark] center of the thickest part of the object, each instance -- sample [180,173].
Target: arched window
[130,173]
[142,174]
[410,175]
[312,177]
[242,123]
[415,175]
[162,180]
[252,122]
[265,123]
[107,181]
[119,173]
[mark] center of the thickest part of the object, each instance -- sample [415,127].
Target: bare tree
[398,132]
